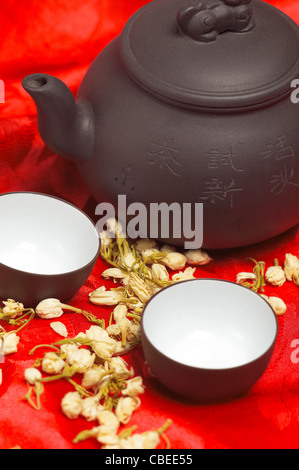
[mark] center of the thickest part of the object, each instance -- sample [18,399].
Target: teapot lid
[211,53]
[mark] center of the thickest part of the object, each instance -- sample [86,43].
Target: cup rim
[52,275]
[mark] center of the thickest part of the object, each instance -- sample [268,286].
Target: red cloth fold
[62,38]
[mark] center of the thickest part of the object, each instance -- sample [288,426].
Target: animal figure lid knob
[204,20]
[218,54]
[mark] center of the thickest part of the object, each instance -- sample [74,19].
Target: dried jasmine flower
[52,364]
[49,308]
[101,343]
[119,313]
[104,349]
[105,297]
[105,239]
[291,267]
[133,332]
[123,327]
[275,275]
[108,420]
[244,277]
[32,375]
[68,349]
[82,359]
[188,273]
[277,304]
[12,308]
[121,349]
[92,377]
[125,408]
[71,405]
[129,261]
[119,368]
[10,343]
[167,248]
[113,273]
[151,438]
[140,288]
[97,333]
[134,387]
[174,260]
[146,440]
[114,330]
[104,436]
[197,257]
[59,328]
[159,273]
[131,442]
[15,314]
[114,228]
[151,255]
[90,408]
[144,244]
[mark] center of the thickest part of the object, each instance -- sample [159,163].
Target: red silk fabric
[62,37]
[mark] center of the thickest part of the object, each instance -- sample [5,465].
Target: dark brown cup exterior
[204,385]
[30,288]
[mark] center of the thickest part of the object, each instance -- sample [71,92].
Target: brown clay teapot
[191,103]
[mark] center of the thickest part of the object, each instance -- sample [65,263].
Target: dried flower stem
[38,390]
[127,432]
[67,372]
[32,351]
[80,389]
[21,320]
[259,271]
[88,315]
[133,316]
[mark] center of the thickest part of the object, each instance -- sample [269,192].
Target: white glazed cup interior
[209,323]
[44,235]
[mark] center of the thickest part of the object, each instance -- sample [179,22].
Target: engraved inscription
[279,150]
[221,188]
[166,155]
[281,180]
[216,189]
[218,159]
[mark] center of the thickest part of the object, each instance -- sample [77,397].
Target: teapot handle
[203,22]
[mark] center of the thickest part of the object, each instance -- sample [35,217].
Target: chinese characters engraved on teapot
[217,188]
[281,152]
[166,155]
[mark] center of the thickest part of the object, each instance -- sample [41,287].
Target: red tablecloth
[62,38]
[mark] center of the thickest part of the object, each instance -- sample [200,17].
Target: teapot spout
[65,126]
